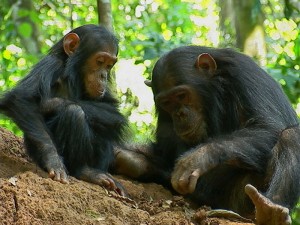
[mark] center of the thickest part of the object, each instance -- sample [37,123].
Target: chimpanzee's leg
[86,155]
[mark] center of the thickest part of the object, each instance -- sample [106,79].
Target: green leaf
[25,29]
[23,12]
[34,17]
[297,46]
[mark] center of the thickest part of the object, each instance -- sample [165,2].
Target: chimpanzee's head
[176,80]
[90,52]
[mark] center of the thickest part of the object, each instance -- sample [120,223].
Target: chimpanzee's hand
[189,168]
[55,167]
[59,174]
[267,212]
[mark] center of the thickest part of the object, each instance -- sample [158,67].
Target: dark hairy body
[223,123]
[69,117]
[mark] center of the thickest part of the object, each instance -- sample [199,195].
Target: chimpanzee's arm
[53,105]
[248,148]
[104,113]
[25,112]
[95,112]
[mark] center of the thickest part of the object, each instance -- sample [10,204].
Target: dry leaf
[13,180]
[29,193]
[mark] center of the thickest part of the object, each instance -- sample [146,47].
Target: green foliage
[146,30]
[296,215]
[284,55]
[25,29]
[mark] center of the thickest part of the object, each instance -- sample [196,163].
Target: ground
[28,196]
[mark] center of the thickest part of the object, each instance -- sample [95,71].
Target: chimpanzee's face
[96,71]
[174,78]
[95,67]
[185,108]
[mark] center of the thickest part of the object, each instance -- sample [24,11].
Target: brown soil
[28,196]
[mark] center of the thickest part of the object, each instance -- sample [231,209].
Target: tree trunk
[29,41]
[247,20]
[226,15]
[104,13]
[249,28]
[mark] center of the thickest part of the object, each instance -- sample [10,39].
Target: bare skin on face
[184,106]
[96,72]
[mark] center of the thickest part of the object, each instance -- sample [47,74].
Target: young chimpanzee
[69,118]
[223,123]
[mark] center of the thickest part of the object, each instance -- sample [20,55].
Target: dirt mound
[27,196]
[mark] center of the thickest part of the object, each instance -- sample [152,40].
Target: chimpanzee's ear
[71,42]
[206,62]
[148,83]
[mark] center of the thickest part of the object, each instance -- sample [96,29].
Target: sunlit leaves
[6,54]
[287,29]
[147,29]
[284,63]
[21,62]
[14,49]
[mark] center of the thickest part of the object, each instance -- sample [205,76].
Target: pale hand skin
[59,175]
[106,181]
[266,212]
[189,168]
[57,172]
[54,166]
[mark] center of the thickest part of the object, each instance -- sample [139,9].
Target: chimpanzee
[223,125]
[69,117]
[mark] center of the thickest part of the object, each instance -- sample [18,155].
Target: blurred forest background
[267,30]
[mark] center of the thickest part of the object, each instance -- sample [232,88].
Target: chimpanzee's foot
[103,179]
[267,212]
[107,181]
[130,163]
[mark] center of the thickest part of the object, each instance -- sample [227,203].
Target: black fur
[261,148]
[82,130]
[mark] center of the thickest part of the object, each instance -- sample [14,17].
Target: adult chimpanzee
[223,123]
[69,118]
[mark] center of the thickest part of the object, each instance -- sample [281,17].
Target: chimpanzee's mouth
[185,133]
[101,93]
